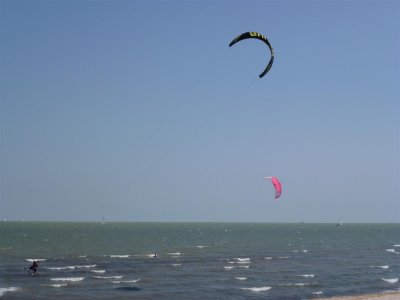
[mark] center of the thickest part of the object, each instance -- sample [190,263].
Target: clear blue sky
[139,111]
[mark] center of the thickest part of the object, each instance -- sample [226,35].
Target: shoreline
[390,295]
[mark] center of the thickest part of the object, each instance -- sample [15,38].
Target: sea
[197,260]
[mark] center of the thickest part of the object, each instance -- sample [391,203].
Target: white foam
[119,256]
[267,258]
[9,289]
[242,259]
[58,285]
[305,251]
[201,247]
[98,271]
[307,275]
[392,251]
[86,266]
[390,280]
[176,265]
[108,277]
[258,289]
[60,268]
[175,253]
[241,278]
[318,293]
[397,245]
[228,267]
[69,267]
[73,279]
[125,281]
[382,267]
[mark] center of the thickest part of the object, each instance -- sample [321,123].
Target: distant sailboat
[103,221]
[339,224]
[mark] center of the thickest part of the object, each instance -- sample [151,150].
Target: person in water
[34,267]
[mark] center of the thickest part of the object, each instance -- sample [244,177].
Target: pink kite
[277,185]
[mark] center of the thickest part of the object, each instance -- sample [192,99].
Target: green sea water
[197,260]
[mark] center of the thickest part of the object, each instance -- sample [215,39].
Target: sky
[139,111]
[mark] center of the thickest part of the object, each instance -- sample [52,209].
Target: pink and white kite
[277,186]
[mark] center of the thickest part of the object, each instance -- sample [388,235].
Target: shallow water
[197,260]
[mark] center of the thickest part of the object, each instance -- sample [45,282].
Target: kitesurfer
[34,267]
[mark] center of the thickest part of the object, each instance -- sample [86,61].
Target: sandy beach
[382,296]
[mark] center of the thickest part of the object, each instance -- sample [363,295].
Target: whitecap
[68,279]
[267,258]
[119,256]
[9,289]
[175,253]
[86,266]
[392,251]
[257,289]
[307,275]
[283,257]
[108,277]
[244,267]
[304,251]
[241,278]
[60,268]
[58,285]
[318,293]
[176,265]
[201,247]
[125,281]
[98,271]
[382,267]
[228,267]
[390,280]
[397,245]
[242,259]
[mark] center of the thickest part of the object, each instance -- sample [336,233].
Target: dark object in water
[128,288]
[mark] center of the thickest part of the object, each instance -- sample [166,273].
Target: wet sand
[383,296]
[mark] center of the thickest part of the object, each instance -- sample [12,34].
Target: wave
[257,289]
[382,267]
[69,267]
[58,285]
[73,279]
[201,246]
[318,293]
[120,256]
[267,258]
[295,284]
[125,281]
[242,259]
[175,253]
[9,289]
[390,280]
[108,277]
[392,251]
[98,271]
[241,278]
[397,245]
[176,265]
[228,267]
[86,266]
[307,275]
[60,268]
